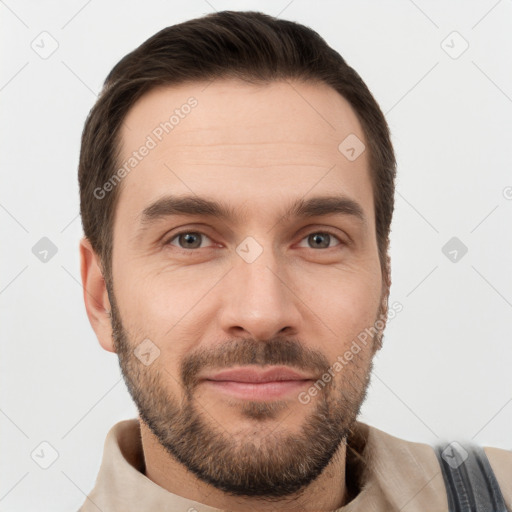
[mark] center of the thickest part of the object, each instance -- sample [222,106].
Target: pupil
[189,238]
[318,238]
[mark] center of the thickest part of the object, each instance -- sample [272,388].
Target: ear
[384,305]
[386,286]
[95,295]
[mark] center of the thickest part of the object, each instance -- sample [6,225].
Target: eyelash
[190,251]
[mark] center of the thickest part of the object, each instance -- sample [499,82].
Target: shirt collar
[383,473]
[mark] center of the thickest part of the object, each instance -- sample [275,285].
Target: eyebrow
[196,206]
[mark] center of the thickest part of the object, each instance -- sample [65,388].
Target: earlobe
[95,295]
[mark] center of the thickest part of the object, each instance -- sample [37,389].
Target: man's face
[240,316]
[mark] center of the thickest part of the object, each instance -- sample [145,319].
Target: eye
[187,240]
[321,239]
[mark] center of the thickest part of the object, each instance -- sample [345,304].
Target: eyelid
[186,231]
[336,232]
[326,232]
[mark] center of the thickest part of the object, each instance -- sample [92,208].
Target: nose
[259,300]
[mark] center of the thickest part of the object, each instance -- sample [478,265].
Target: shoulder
[405,475]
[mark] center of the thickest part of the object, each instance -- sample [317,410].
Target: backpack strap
[470,482]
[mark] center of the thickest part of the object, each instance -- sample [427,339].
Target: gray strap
[470,482]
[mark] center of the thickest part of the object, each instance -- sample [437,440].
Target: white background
[445,370]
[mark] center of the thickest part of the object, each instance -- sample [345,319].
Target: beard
[263,461]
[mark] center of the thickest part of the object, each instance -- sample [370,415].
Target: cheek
[149,296]
[164,306]
[347,305]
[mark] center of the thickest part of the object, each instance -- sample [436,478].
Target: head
[228,228]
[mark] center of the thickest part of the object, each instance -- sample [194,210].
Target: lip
[253,384]
[253,375]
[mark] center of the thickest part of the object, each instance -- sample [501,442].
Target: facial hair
[275,465]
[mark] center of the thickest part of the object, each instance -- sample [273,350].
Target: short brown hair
[250,46]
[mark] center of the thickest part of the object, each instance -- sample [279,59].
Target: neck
[328,492]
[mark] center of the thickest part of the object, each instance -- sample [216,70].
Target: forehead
[252,146]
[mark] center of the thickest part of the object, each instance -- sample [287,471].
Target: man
[236,184]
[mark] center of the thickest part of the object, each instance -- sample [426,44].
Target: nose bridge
[258,300]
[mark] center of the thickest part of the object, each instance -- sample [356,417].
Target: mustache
[246,352]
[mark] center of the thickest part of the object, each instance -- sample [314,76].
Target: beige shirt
[384,473]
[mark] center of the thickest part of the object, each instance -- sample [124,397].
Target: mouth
[250,383]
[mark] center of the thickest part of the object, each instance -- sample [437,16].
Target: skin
[256,148]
